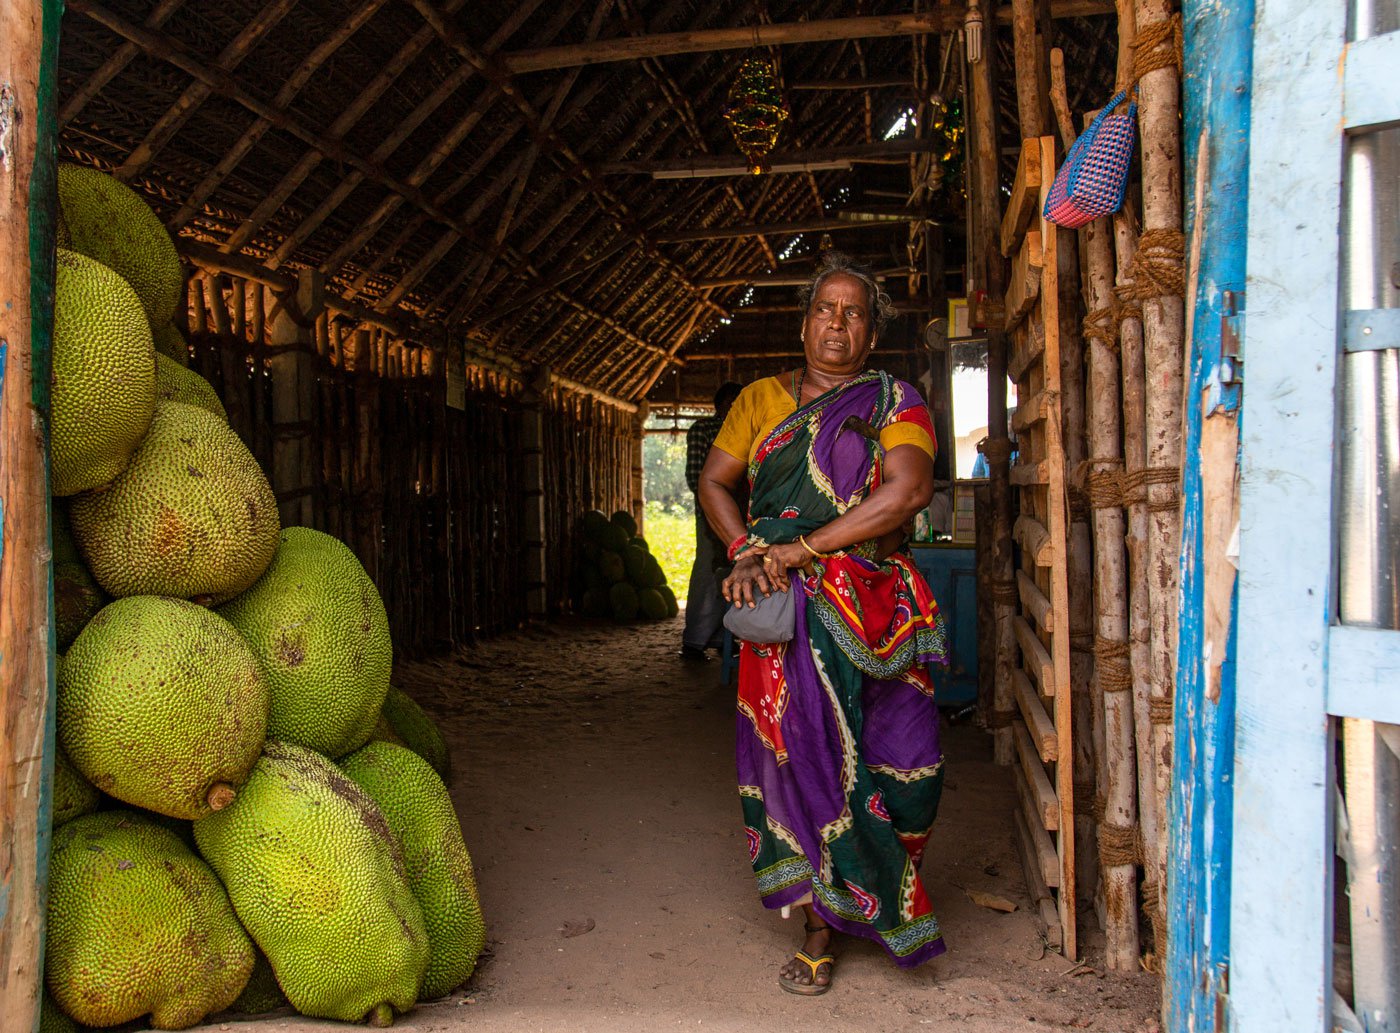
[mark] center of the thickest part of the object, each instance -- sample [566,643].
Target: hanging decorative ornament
[755,111]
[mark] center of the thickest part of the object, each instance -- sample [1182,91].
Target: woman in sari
[838,757]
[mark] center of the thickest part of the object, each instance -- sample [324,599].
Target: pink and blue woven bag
[1094,175]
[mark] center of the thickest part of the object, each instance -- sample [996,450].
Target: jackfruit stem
[221,794]
[381,1016]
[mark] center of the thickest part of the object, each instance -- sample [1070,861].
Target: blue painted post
[28,63]
[1218,47]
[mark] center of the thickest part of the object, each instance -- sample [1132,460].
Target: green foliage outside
[671,536]
[670,508]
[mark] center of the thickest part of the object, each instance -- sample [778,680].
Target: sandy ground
[594,777]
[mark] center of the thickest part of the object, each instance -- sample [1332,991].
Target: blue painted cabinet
[952,574]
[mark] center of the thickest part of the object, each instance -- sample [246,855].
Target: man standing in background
[704,606]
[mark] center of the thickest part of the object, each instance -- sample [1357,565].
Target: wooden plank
[1024,289]
[1038,659]
[1025,474]
[1040,726]
[1044,908]
[1025,196]
[1045,805]
[1030,412]
[1028,347]
[1031,535]
[1038,853]
[1033,599]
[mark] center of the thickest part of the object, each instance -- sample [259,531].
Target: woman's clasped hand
[757,575]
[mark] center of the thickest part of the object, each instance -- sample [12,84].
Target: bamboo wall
[429,497]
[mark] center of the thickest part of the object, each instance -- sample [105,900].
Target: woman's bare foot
[800,977]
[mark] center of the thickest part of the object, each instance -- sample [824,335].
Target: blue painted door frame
[1273,93]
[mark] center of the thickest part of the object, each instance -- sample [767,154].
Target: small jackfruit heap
[318,627]
[137,925]
[105,219]
[104,374]
[420,813]
[162,705]
[192,516]
[318,880]
[175,383]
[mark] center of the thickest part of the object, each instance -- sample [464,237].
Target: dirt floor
[595,780]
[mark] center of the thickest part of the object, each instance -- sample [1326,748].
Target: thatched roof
[474,170]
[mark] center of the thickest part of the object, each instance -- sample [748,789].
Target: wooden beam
[196,93]
[799,226]
[1041,794]
[112,67]
[868,83]
[902,308]
[1037,720]
[634,48]
[793,161]
[285,95]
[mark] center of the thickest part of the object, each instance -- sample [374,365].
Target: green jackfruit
[162,705]
[262,994]
[73,795]
[611,566]
[76,600]
[613,538]
[109,221]
[192,516]
[104,375]
[175,383]
[384,731]
[652,574]
[318,627]
[640,543]
[652,605]
[418,731]
[595,523]
[138,925]
[318,880]
[623,598]
[626,521]
[672,607]
[420,813]
[170,342]
[635,560]
[595,603]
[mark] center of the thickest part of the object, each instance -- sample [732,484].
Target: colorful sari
[839,765]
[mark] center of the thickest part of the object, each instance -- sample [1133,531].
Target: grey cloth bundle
[773,618]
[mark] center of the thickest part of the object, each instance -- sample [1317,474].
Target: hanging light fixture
[972,31]
[755,111]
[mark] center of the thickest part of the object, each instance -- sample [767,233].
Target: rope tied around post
[1111,660]
[1119,845]
[1159,45]
[1158,269]
[1100,325]
[1135,487]
[1159,711]
[997,450]
[1003,591]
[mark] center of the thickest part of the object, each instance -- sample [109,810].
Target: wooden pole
[1159,285]
[28,65]
[987,274]
[1113,680]
[293,372]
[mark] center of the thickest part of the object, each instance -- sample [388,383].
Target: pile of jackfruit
[247,815]
[617,576]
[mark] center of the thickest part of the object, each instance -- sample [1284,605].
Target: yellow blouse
[765,403]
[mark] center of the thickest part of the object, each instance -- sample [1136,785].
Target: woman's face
[839,330]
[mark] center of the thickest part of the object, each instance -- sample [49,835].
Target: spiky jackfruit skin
[175,383]
[160,704]
[170,342]
[651,604]
[77,598]
[318,880]
[318,627]
[416,730]
[192,516]
[105,219]
[420,813]
[137,925]
[104,375]
[73,795]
